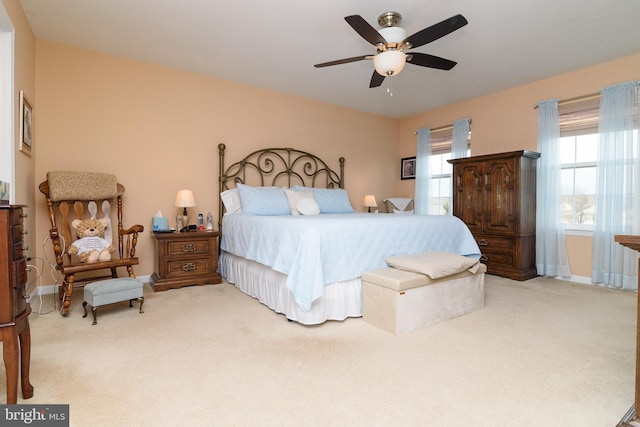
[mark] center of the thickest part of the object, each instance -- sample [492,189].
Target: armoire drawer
[496,259]
[495,244]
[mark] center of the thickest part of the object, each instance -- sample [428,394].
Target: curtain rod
[440,129]
[576,99]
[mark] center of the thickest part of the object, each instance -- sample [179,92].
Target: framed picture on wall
[26,125]
[408,168]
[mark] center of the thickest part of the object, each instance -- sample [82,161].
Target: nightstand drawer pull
[189,247]
[189,266]
[484,258]
[483,242]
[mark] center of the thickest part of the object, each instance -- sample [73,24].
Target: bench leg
[141,299]
[94,310]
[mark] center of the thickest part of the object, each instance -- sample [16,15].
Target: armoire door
[468,200]
[500,196]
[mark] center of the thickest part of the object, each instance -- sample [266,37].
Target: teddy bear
[91,245]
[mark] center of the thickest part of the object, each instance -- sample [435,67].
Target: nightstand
[185,259]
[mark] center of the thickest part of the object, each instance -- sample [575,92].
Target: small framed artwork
[408,168]
[26,125]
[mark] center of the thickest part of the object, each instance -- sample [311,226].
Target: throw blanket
[314,251]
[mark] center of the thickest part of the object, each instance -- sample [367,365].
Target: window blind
[579,116]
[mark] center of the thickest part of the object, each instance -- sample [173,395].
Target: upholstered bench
[400,301]
[111,291]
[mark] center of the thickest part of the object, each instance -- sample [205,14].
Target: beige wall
[506,121]
[24,69]
[158,130]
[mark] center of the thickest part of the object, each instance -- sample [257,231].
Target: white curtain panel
[460,138]
[617,176]
[551,252]
[423,175]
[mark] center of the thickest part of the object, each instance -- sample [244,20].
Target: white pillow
[308,206]
[294,197]
[397,212]
[231,201]
[434,264]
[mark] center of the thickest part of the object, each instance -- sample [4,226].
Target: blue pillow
[263,200]
[330,200]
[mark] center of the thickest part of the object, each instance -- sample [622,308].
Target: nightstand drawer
[188,247]
[189,267]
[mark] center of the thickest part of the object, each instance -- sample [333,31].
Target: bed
[304,259]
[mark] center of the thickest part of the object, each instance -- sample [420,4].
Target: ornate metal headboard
[277,167]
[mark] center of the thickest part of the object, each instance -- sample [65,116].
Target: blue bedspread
[314,251]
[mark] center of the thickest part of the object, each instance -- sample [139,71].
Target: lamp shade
[370,201]
[389,62]
[184,199]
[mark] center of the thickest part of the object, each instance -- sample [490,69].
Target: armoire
[495,196]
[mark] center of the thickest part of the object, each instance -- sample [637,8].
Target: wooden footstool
[111,291]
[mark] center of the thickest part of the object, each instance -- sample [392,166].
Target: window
[578,155]
[440,184]
[441,171]
[579,141]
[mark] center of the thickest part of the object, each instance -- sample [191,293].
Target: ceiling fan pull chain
[389,87]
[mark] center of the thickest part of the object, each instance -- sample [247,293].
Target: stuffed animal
[91,245]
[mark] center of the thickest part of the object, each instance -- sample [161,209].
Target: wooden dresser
[495,195]
[184,259]
[14,308]
[632,418]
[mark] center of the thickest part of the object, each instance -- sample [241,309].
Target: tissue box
[160,223]
[4,193]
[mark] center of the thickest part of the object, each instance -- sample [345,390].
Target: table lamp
[184,200]
[370,202]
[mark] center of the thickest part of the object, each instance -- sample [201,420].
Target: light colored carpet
[541,353]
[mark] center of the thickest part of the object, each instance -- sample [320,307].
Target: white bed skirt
[340,300]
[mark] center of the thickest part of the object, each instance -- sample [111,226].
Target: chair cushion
[74,185]
[112,290]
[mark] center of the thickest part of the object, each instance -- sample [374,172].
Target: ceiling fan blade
[425,60]
[342,61]
[365,30]
[376,80]
[436,31]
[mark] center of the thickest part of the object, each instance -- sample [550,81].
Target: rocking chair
[84,192]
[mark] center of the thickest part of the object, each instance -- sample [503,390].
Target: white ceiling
[274,44]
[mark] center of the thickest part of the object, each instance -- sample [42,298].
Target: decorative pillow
[308,207]
[331,200]
[263,200]
[231,201]
[396,211]
[394,204]
[434,264]
[294,197]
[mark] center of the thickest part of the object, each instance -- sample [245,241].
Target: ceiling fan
[391,44]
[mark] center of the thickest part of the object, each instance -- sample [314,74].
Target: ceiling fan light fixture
[389,63]
[393,35]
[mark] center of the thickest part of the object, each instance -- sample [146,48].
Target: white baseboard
[50,289]
[576,279]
